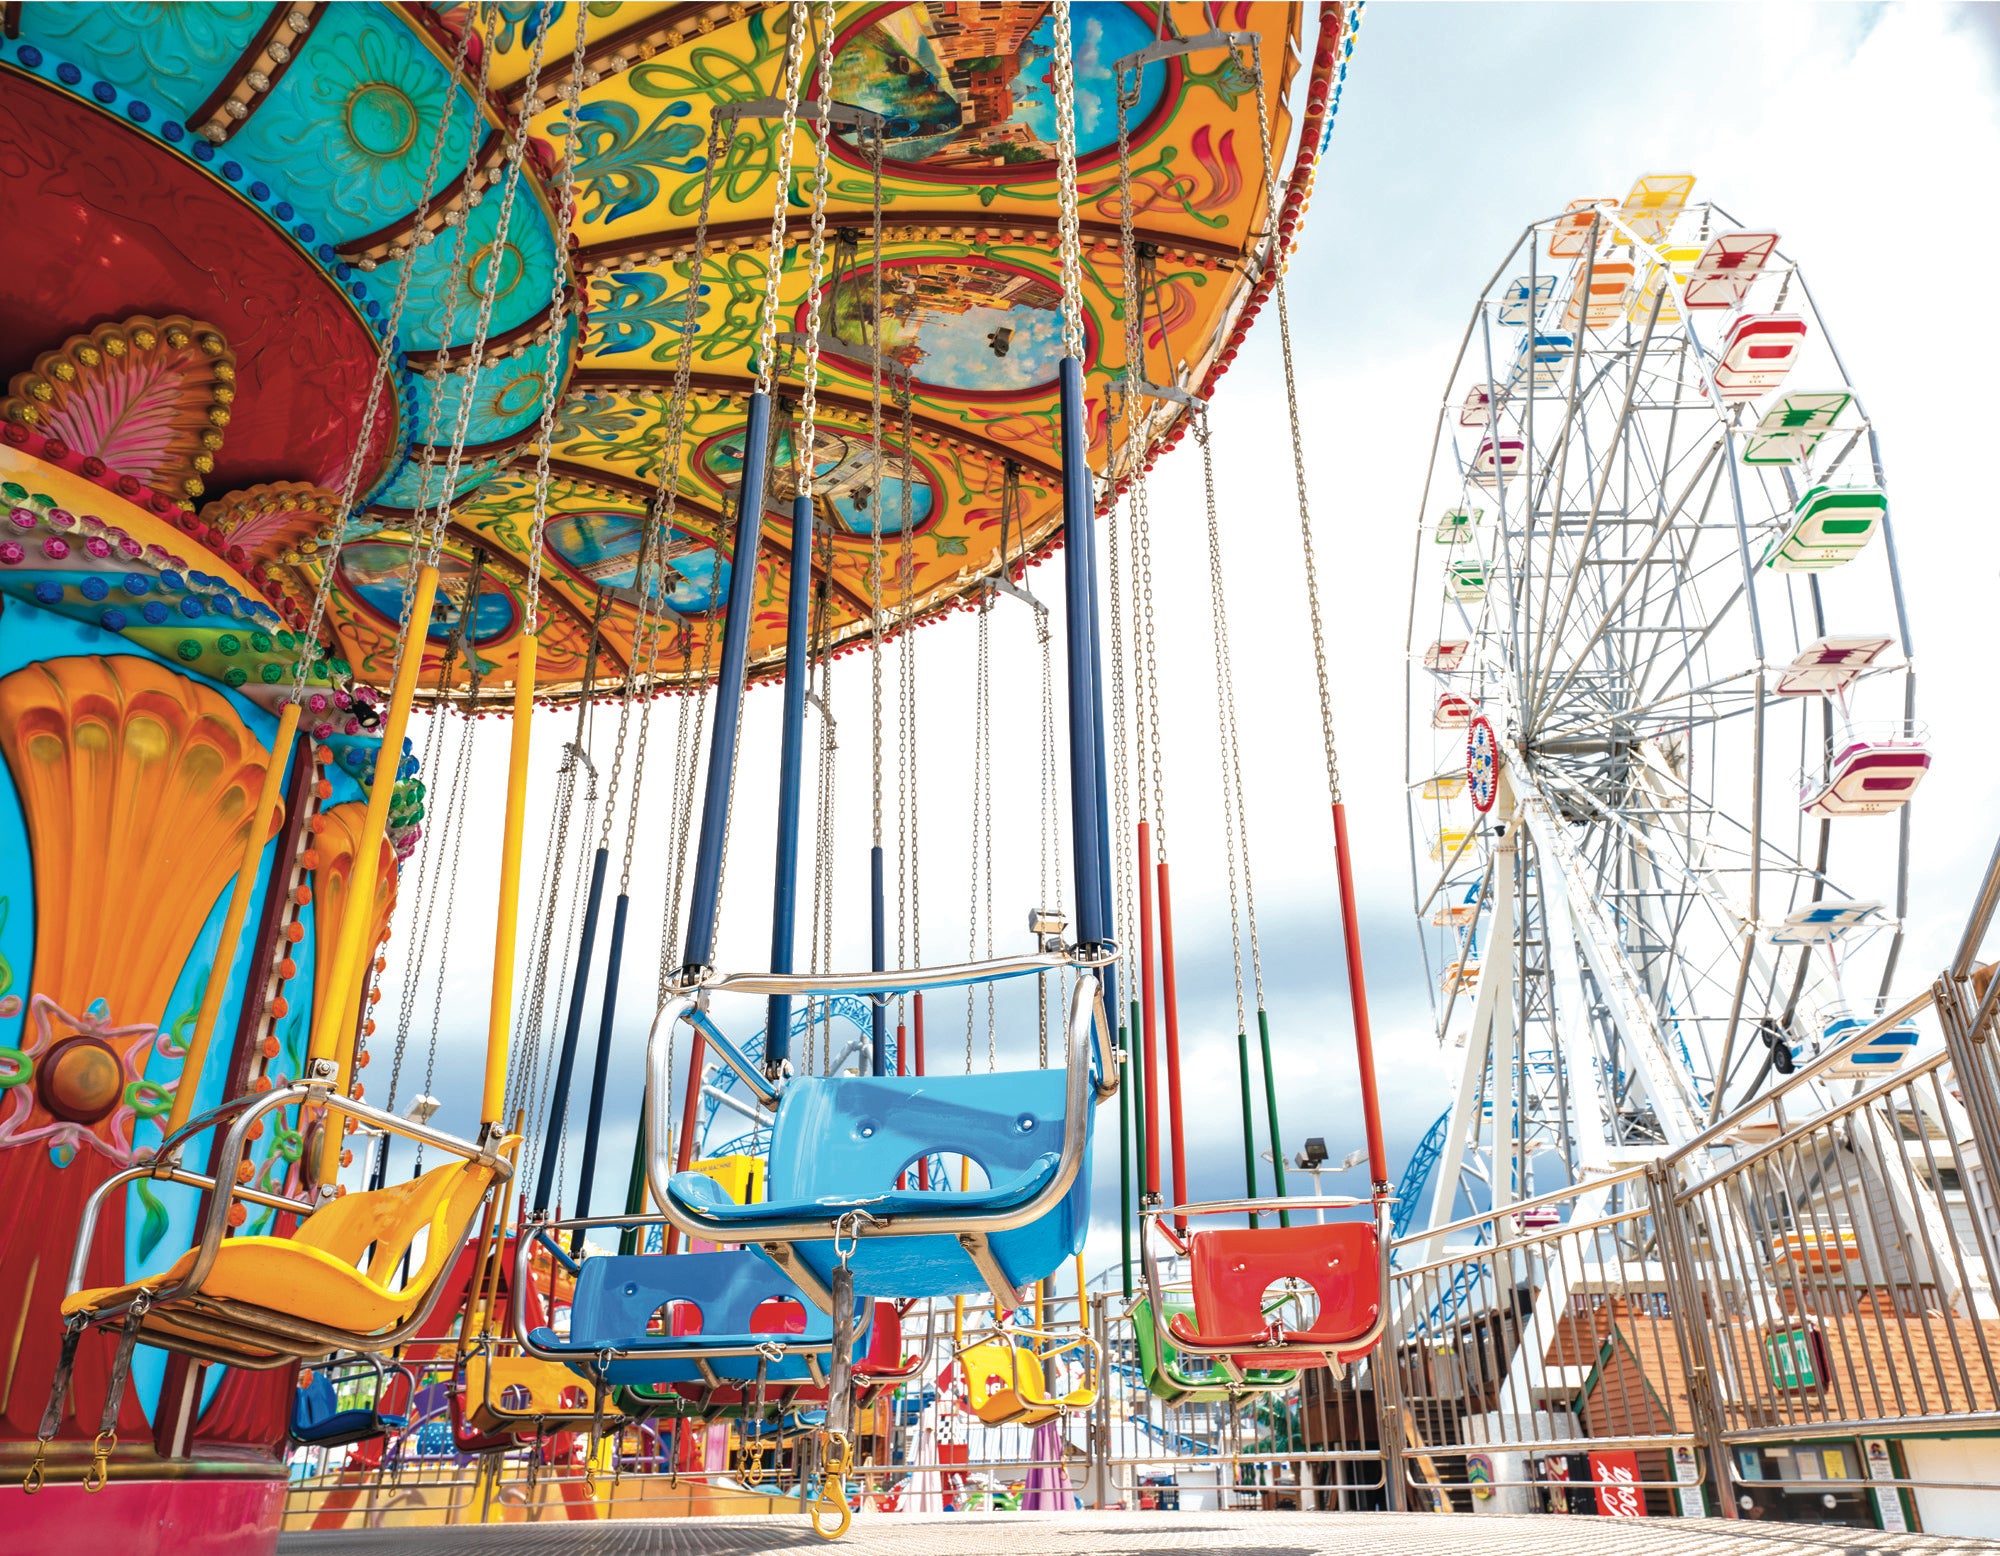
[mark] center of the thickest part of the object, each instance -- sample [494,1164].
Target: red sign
[1617,1477]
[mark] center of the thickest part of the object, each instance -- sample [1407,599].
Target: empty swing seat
[312,1275]
[883,1368]
[319,1422]
[1757,354]
[1178,1378]
[1830,526]
[1008,1384]
[1232,1269]
[839,1145]
[1867,777]
[675,1308]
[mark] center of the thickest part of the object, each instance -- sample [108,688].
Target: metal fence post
[1100,1425]
[1691,1332]
[1974,1062]
[1388,1396]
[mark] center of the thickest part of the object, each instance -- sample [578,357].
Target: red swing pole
[1171,998]
[1357,993]
[1149,1008]
[917,1018]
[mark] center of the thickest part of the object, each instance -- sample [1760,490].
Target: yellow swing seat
[514,1393]
[313,1277]
[1008,1385]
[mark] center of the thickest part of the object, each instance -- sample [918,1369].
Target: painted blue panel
[350,125]
[448,282]
[174,53]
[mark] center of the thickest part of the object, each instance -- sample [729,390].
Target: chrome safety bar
[1089,1039]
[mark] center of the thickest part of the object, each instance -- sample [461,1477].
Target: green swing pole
[1249,1122]
[1271,1107]
[635,1185]
[1125,1157]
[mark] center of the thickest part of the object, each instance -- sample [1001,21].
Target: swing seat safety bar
[840,1143]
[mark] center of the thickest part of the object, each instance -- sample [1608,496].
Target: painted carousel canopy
[212,209]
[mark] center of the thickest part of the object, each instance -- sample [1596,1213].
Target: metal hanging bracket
[772,108]
[1175,48]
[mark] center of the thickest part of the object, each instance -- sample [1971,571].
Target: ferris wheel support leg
[1463,1130]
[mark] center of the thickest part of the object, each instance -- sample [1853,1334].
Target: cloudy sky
[1865,135]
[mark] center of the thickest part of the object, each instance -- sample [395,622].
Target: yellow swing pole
[333,1031]
[256,835]
[500,1014]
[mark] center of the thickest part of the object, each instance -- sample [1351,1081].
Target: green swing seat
[1180,1379]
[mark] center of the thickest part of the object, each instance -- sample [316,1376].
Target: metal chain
[660,519]
[475,357]
[1223,713]
[350,488]
[425,534]
[524,1053]
[1069,236]
[1275,258]
[875,477]
[560,295]
[774,261]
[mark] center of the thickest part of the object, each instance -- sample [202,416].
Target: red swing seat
[1231,1269]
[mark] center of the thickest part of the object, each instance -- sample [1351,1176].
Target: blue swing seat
[319,1422]
[839,1143]
[714,1301]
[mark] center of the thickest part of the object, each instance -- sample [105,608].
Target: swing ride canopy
[269,167]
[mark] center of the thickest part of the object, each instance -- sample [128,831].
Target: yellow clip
[100,1461]
[837,1458]
[32,1481]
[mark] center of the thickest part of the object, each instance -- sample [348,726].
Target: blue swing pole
[601,1071]
[545,1179]
[699,949]
[878,944]
[1086,798]
[545,1182]
[791,766]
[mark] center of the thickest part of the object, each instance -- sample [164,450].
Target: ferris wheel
[1661,706]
